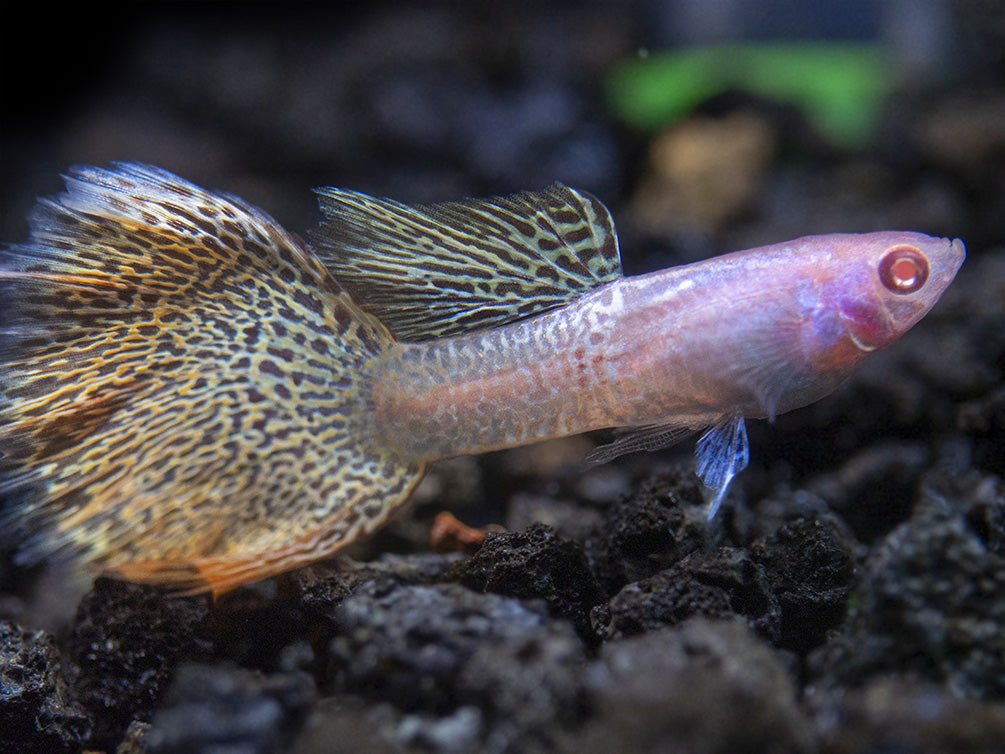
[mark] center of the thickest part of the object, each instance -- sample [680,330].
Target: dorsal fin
[429,271]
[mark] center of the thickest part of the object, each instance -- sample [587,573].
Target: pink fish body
[191,396]
[750,334]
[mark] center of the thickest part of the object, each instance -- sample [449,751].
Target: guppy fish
[192,396]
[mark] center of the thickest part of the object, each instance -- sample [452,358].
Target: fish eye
[904,269]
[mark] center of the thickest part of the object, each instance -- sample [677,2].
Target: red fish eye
[904,269]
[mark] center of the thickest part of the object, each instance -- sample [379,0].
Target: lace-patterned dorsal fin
[429,271]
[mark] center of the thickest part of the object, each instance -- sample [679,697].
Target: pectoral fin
[634,439]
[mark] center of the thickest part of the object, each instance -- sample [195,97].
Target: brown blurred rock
[704,172]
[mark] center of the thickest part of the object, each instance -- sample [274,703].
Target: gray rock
[703,686]
[223,710]
[36,714]
[434,650]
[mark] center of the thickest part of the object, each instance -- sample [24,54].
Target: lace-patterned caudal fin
[722,453]
[182,382]
[217,575]
[444,269]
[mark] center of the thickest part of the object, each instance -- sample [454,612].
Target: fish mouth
[957,254]
[860,344]
[947,264]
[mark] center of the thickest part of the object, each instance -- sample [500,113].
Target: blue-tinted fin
[722,453]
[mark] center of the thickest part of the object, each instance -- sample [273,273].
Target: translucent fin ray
[635,439]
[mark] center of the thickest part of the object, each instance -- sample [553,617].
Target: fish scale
[190,396]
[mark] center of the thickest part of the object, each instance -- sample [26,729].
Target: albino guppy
[189,395]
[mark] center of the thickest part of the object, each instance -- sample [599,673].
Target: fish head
[884,283]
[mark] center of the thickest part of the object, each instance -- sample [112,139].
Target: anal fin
[722,453]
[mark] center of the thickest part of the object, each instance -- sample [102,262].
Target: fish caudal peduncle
[191,396]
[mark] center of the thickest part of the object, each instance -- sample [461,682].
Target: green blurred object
[839,87]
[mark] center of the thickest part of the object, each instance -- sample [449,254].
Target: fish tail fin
[183,389]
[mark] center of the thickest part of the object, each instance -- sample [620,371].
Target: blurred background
[706,125]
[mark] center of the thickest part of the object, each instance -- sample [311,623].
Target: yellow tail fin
[183,389]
